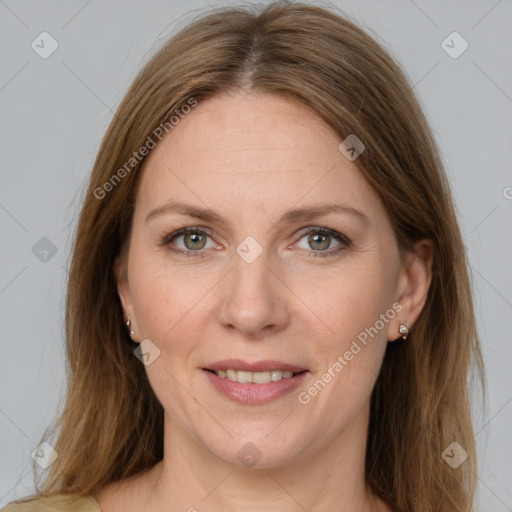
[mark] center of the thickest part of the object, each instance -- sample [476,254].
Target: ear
[413,286]
[123,288]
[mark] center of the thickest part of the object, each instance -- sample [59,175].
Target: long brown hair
[111,426]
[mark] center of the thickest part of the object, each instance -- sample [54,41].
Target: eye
[188,241]
[320,240]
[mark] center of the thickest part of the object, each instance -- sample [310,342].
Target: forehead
[264,151]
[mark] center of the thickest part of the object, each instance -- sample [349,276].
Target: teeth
[245,377]
[254,377]
[276,375]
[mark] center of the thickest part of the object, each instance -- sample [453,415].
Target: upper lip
[257,366]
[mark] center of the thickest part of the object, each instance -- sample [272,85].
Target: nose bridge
[251,270]
[252,300]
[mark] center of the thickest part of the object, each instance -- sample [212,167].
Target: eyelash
[344,241]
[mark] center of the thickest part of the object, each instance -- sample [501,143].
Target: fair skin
[251,159]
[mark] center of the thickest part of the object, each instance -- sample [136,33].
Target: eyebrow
[289,217]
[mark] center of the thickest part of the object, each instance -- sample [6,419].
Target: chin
[261,451]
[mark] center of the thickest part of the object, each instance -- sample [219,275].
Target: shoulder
[57,503]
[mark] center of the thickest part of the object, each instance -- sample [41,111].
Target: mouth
[254,383]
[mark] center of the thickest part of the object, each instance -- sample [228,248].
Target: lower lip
[255,394]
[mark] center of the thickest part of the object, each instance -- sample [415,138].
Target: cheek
[351,347]
[346,301]
[172,315]
[169,303]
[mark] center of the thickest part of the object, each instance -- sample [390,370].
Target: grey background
[54,113]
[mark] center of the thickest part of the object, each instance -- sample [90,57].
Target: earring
[404,331]
[128,326]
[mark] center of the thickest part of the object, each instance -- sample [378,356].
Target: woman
[269,303]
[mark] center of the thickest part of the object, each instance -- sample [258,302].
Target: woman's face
[264,284]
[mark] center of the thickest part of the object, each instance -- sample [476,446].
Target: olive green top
[57,503]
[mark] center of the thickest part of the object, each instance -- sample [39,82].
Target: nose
[254,298]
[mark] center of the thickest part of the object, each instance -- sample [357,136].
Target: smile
[254,383]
